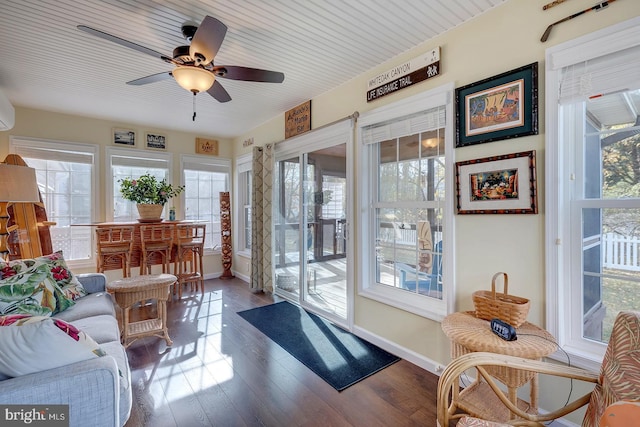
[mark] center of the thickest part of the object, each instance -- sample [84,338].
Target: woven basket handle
[493,283]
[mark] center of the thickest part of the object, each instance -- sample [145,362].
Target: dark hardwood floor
[221,371]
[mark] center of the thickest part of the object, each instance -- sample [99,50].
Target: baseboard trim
[409,355]
[219,273]
[242,276]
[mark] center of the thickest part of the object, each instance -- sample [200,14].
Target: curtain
[261,219]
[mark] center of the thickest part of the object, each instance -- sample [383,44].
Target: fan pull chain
[194,107]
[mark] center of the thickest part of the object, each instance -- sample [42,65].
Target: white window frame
[243,164]
[430,308]
[212,164]
[16,142]
[112,152]
[563,320]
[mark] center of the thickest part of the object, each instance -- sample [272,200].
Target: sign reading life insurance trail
[404,75]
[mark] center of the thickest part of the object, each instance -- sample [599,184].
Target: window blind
[423,121]
[139,162]
[195,165]
[55,152]
[243,164]
[605,74]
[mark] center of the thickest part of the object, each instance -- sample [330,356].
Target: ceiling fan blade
[219,93]
[151,79]
[249,74]
[123,42]
[207,39]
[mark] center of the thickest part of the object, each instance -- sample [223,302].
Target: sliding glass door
[310,229]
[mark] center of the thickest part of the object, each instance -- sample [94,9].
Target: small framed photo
[124,137]
[497,185]
[156,141]
[500,107]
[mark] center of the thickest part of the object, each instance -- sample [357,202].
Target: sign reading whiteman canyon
[404,75]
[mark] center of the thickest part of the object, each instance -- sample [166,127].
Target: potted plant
[149,194]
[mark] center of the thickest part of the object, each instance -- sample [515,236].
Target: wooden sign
[297,120]
[404,75]
[207,146]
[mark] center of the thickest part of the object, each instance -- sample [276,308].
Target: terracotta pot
[149,212]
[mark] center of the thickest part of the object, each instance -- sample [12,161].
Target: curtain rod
[354,115]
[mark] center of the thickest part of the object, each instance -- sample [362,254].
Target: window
[407,203]
[593,187]
[125,163]
[243,203]
[204,179]
[66,177]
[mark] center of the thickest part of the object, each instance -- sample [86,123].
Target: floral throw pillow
[30,286]
[31,344]
[69,283]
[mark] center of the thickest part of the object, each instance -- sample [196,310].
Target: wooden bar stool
[115,244]
[188,268]
[155,240]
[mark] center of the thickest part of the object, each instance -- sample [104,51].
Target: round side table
[131,290]
[470,334]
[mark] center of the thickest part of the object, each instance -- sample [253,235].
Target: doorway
[310,227]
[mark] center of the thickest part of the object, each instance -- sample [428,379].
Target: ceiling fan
[194,67]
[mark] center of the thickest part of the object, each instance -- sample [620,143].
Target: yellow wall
[63,127]
[503,39]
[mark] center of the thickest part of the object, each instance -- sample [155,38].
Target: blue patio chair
[426,283]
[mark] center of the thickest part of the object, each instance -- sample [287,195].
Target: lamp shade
[193,79]
[18,184]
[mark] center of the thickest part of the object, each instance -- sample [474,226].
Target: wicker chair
[156,240]
[114,244]
[188,268]
[619,380]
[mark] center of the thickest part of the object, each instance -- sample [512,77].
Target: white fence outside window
[621,252]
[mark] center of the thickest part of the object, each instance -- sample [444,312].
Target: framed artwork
[500,107]
[497,185]
[155,141]
[124,137]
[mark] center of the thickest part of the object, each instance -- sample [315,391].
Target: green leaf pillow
[30,286]
[69,283]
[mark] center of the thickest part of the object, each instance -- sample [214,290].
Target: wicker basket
[508,308]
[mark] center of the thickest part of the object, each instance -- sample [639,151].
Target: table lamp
[17,184]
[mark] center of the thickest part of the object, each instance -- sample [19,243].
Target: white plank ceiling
[47,63]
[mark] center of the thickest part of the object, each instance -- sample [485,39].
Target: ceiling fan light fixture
[193,79]
[431,142]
